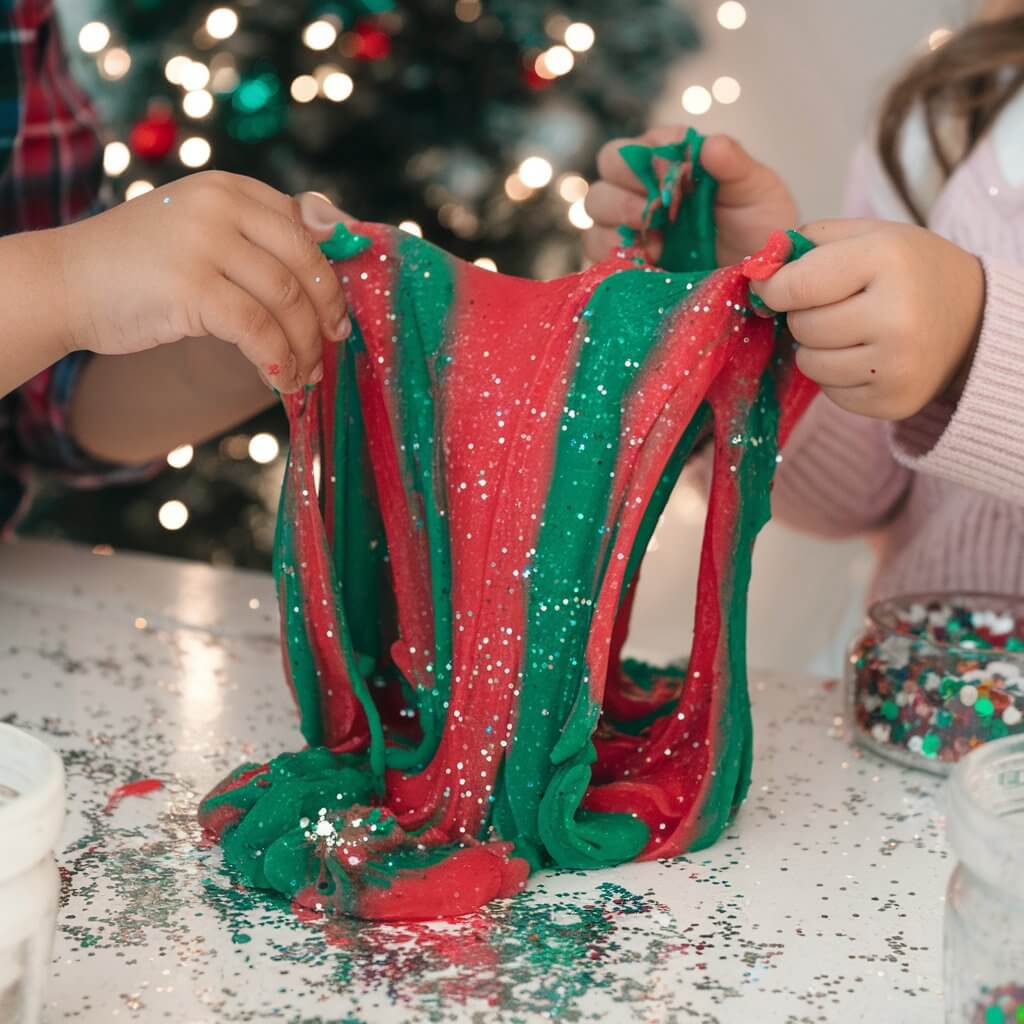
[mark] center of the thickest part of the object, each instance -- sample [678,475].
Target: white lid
[31,801]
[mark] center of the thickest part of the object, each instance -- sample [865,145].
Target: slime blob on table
[469,495]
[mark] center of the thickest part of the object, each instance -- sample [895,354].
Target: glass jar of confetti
[931,677]
[984,928]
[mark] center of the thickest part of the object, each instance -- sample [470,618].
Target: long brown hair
[972,77]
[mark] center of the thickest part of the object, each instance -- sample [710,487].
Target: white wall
[811,72]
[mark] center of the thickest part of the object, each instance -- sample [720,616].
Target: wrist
[974,316]
[33,300]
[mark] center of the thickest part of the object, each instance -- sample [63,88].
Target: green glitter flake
[931,744]
[994,1015]
[891,710]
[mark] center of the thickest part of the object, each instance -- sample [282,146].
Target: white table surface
[822,903]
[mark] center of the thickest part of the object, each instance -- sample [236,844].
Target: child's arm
[211,255]
[973,435]
[171,395]
[898,323]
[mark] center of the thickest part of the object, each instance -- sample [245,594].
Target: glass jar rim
[986,836]
[879,608]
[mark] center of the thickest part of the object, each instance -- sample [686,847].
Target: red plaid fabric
[51,172]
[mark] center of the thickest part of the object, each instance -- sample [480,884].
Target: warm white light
[938,38]
[93,37]
[485,263]
[337,86]
[696,100]
[175,68]
[224,79]
[198,103]
[116,158]
[304,89]
[194,152]
[173,515]
[578,216]
[467,10]
[181,456]
[319,35]
[263,448]
[221,22]
[195,76]
[579,36]
[572,187]
[138,188]
[540,65]
[732,15]
[115,63]
[516,189]
[726,89]
[535,172]
[410,227]
[558,60]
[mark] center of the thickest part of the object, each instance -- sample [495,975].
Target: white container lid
[31,801]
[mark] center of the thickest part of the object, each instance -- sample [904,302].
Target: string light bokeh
[471,123]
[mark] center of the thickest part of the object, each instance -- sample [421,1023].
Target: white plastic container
[31,818]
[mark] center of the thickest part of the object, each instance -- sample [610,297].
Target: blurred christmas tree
[473,122]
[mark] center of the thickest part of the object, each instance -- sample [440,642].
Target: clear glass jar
[933,676]
[984,928]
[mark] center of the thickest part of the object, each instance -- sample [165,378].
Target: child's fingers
[828,274]
[278,290]
[288,241]
[599,243]
[611,205]
[836,368]
[742,181]
[613,168]
[232,314]
[319,215]
[839,325]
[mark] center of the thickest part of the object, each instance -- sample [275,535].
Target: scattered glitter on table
[821,903]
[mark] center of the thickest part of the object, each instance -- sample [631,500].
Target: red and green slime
[469,495]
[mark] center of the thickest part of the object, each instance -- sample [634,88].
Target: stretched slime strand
[494,454]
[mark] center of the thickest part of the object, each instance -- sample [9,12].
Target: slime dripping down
[456,583]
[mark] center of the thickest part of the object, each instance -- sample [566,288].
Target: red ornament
[152,138]
[372,43]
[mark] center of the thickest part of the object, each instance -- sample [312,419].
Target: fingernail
[324,215]
[344,328]
[317,375]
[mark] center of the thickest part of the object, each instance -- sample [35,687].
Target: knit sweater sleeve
[977,440]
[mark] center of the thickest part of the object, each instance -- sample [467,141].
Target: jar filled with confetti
[984,928]
[932,677]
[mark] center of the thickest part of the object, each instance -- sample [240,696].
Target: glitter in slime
[469,495]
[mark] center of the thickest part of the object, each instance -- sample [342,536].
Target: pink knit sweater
[940,494]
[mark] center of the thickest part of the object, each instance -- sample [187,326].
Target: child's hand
[752,200]
[886,314]
[212,254]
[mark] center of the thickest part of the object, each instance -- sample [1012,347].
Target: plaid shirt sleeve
[51,173]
